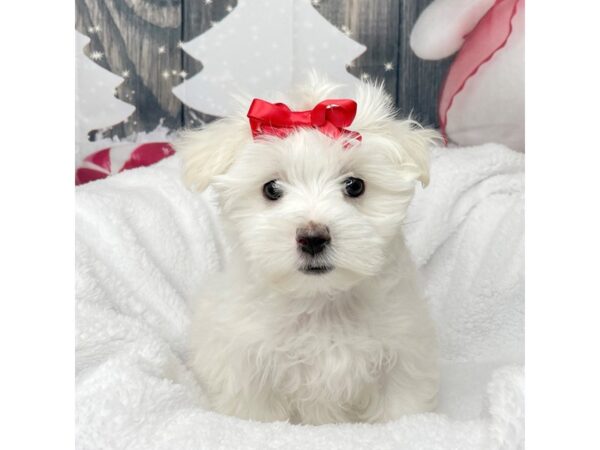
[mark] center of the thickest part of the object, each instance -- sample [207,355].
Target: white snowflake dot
[96,55]
[388,66]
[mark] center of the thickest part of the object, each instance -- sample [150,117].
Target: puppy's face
[309,213]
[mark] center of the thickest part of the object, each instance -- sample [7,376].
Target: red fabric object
[101,158]
[109,161]
[84,175]
[147,154]
[489,35]
[330,117]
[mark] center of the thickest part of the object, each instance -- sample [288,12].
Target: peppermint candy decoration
[112,160]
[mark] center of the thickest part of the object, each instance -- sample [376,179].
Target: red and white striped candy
[109,161]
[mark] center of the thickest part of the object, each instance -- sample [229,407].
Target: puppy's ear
[375,115]
[210,151]
[413,142]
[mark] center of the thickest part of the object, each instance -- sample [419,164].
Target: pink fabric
[489,35]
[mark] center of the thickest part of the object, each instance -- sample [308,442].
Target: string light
[168,73]
[96,56]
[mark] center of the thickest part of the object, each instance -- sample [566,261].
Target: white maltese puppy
[317,317]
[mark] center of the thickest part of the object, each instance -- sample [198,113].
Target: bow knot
[330,117]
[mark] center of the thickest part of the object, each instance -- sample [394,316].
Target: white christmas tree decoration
[96,106]
[264,46]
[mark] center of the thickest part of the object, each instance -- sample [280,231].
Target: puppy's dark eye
[354,187]
[272,191]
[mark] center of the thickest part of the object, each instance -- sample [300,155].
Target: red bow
[330,117]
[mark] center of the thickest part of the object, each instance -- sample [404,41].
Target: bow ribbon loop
[330,117]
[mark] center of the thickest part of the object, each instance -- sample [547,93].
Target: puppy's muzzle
[313,238]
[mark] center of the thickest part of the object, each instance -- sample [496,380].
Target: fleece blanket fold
[143,240]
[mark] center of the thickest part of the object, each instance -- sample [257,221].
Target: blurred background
[140,40]
[146,68]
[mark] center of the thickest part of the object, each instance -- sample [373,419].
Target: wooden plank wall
[139,40]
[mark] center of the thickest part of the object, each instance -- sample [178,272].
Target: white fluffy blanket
[143,241]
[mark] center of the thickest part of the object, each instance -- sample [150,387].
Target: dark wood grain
[418,81]
[131,34]
[384,26]
[198,16]
[374,24]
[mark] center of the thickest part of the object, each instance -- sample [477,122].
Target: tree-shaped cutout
[96,106]
[264,46]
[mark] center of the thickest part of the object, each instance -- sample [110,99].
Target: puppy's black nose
[313,238]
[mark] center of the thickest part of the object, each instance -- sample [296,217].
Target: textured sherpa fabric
[143,242]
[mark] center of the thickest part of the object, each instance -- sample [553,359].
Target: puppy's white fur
[270,342]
